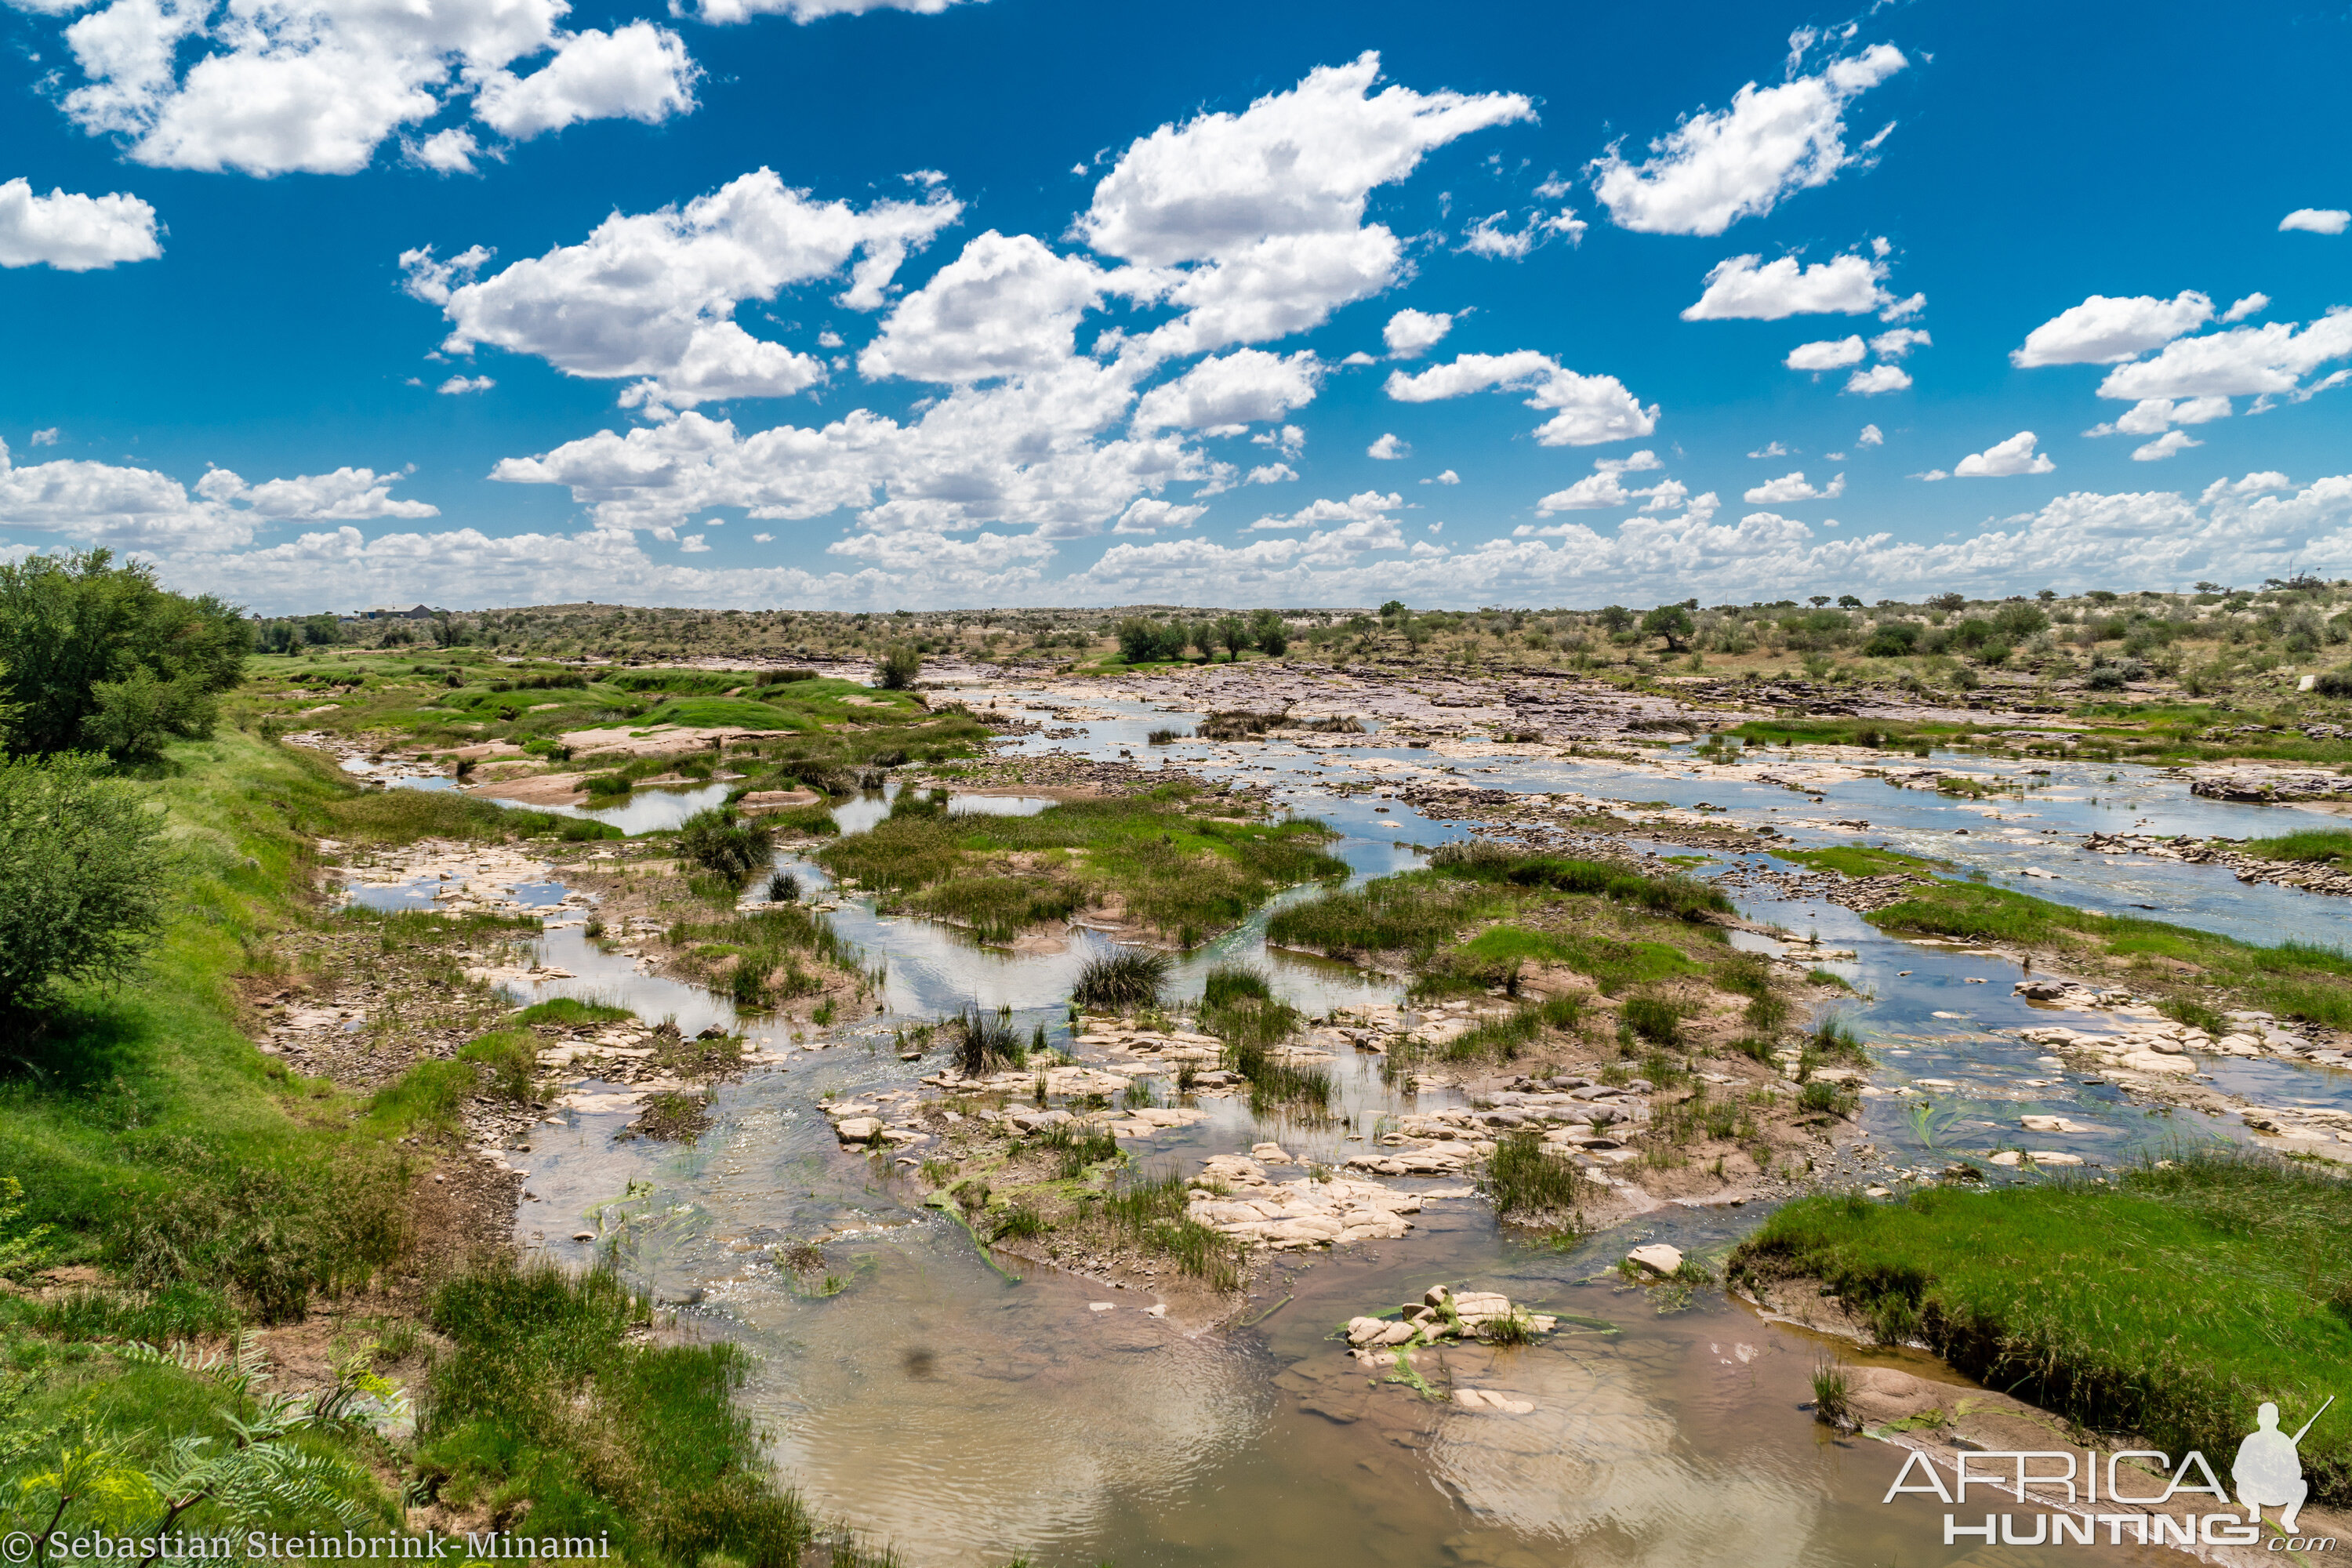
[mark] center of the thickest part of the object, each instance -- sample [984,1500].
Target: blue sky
[838,304]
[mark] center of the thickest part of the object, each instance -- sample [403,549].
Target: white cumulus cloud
[317,86]
[1747,287]
[2271,359]
[1239,388]
[2108,331]
[1493,235]
[1605,487]
[1792,488]
[2317,220]
[1722,165]
[1412,333]
[450,151]
[1589,409]
[346,495]
[1007,305]
[1253,221]
[1363,507]
[73,232]
[1878,379]
[1150,515]
[1830,353]
[806,11]
[457,384]
[651,296]
[1388,449]
[2004,459]
[2153,415]
[2163,447]
[634,72]
[1870,437]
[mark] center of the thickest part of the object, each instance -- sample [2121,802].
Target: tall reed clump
[1528,1183]
[1230,982]
[1238,1006]
[1833,1039]
[726,845]
[544,1370]
[986,1041]
[1121,982]
[1153,1213]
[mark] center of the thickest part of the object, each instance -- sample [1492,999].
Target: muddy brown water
[967,1410]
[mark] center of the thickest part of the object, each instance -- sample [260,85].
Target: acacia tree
[1672,622]
[1234,632]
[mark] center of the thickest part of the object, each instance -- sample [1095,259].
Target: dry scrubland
[2172,665]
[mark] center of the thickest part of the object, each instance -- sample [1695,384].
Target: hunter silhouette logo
[2269,1471]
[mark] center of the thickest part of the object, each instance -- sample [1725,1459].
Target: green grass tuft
[2165,1306]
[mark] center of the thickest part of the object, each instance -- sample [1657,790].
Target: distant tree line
[1143,639]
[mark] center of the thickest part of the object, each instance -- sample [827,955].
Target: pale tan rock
[1657,1257]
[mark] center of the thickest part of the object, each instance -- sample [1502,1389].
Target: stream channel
[965,1417]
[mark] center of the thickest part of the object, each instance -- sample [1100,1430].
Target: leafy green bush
[82,875]
[1892,639]
[896,669]
[96,653]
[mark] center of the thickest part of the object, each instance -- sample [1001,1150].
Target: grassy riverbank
[2327,847]
[2194,968]
[2164,1307]
[178,1184]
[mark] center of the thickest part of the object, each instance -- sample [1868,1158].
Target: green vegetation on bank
[1485,921]
[548,1396]
[211,1188]
[2163,1308]
[1857,860]
[2295,979]
[2328,847]
[1148,859]
[465,698]
[1414,913]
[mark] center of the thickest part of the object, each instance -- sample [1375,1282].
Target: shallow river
[967,1417]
